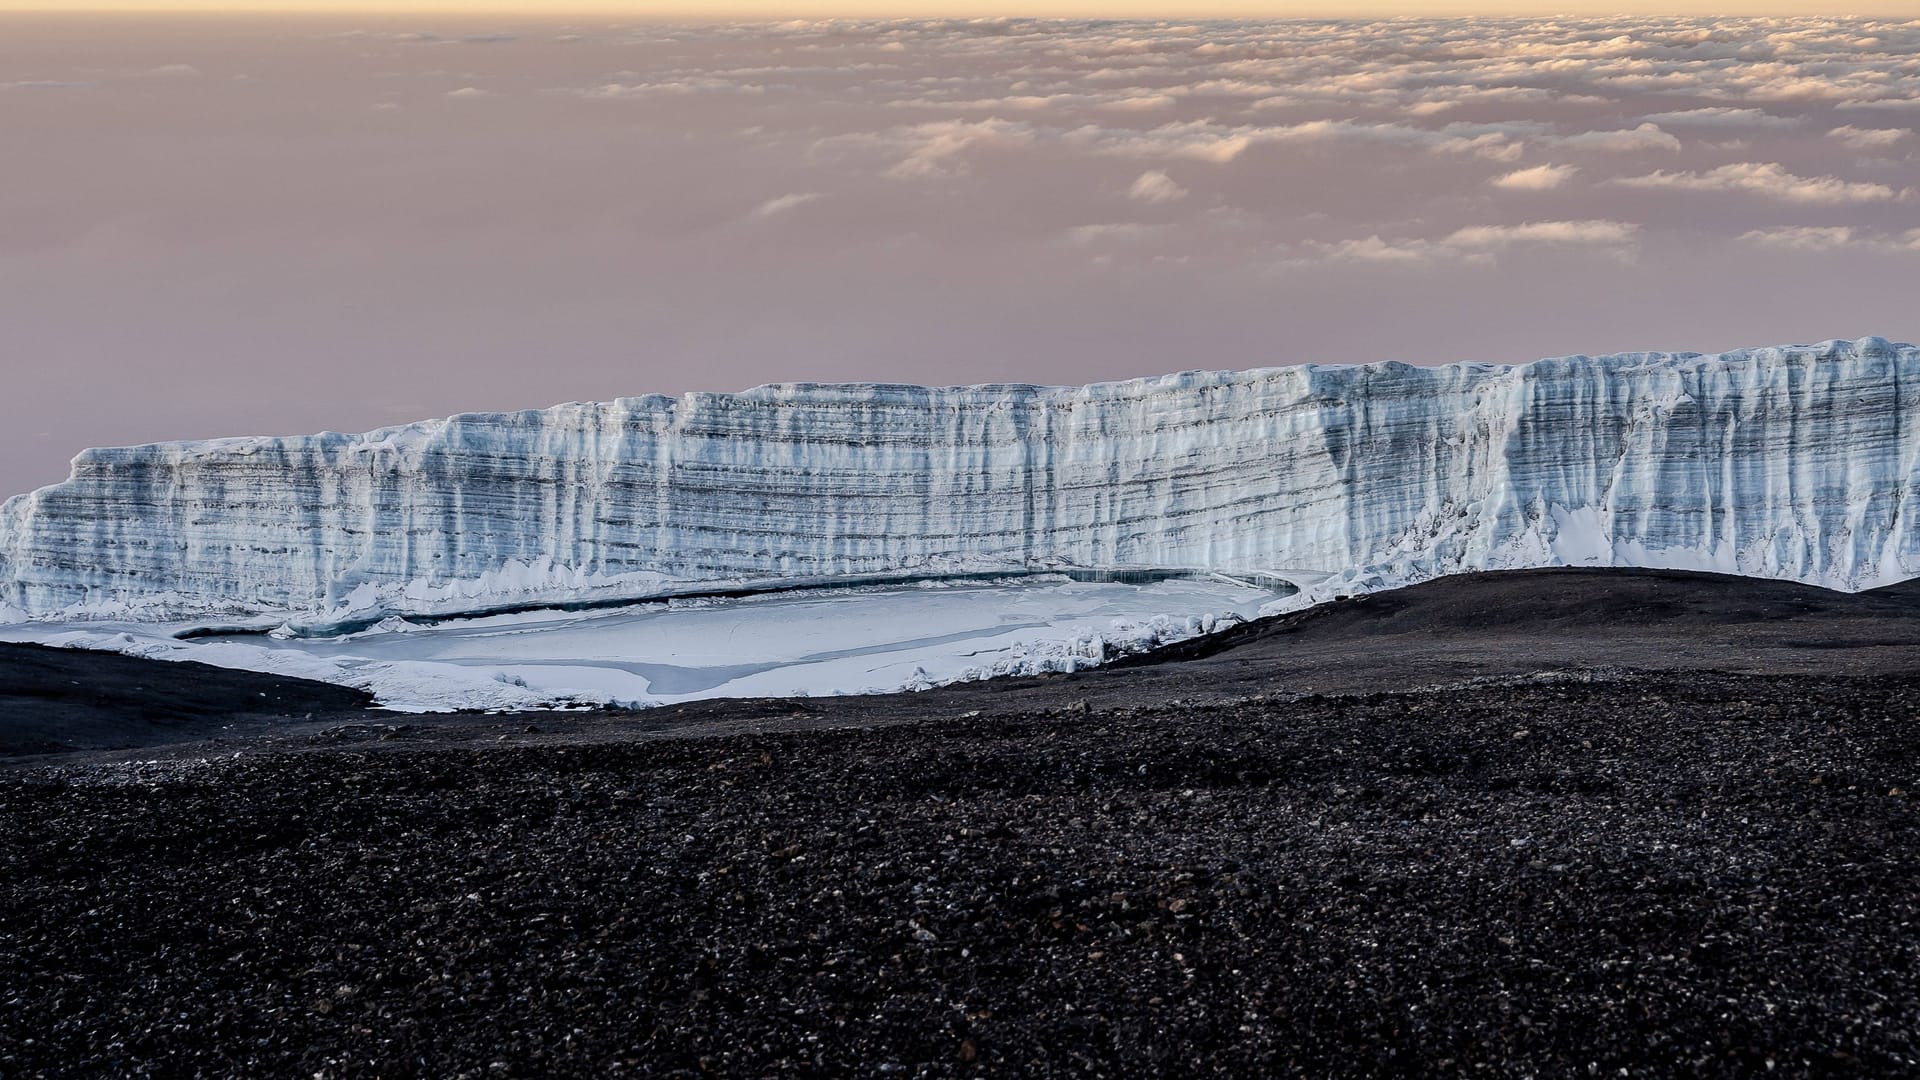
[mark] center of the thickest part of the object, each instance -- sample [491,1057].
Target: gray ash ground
[1666,872]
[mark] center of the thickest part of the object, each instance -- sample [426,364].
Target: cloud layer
[286,226]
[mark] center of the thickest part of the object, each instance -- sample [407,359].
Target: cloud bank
[280,227]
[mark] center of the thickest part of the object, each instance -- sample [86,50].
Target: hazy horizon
[705,10]
[227,226]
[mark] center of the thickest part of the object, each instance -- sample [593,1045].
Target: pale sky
[263,226]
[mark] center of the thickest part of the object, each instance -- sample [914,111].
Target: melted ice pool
[817,642]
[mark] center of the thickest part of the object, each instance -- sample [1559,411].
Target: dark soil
[1573,872]
[54,700]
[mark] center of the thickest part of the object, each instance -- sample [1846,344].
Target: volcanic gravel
[1610,873]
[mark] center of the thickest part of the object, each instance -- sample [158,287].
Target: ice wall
[1799,462]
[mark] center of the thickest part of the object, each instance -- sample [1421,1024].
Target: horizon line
[1070,11]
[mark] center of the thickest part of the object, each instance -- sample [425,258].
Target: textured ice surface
[1795,462]
[812,643]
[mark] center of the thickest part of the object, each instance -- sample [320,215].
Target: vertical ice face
[1799,462]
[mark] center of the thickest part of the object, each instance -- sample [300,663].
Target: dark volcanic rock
[1666,874]
[1521,621]
[66,699]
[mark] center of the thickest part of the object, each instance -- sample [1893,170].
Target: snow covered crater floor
[819,642]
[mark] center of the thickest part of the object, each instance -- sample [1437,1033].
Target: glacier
[1798,462]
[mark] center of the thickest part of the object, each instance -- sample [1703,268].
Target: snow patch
[817,643]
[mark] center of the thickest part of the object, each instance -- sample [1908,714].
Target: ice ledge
[414,435]
[1796,462]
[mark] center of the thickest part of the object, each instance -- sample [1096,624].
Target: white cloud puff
[1156,186]
[1537,178]
[1801,238]
[1591,232]
[1882,104]
[1720,116]
[1482,243]
[783,203]
[1834,238]
[1859,138]
[1631,140]
[1769,180]
[1203,140]
[937,148]
[613,91]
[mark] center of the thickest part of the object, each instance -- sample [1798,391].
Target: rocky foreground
[1656,869]
[1663,875]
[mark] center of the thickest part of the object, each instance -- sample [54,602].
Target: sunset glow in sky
[224,226]
[1143,9]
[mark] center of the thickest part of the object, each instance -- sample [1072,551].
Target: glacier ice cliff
[1795,462]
